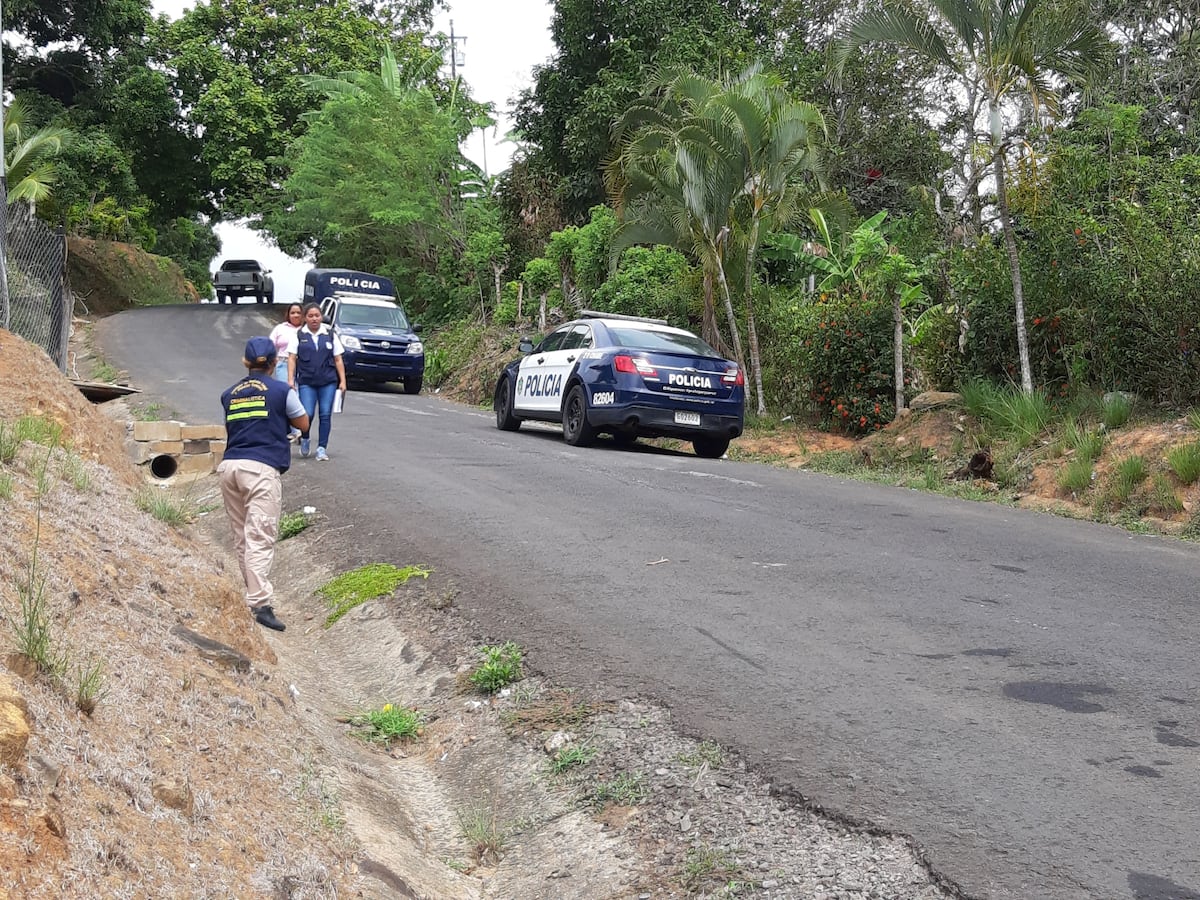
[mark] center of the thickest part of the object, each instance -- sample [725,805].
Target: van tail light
[735,377]
[631,366]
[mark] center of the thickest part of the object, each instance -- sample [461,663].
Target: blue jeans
[320,398]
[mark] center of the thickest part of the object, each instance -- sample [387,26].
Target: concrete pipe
[163,466]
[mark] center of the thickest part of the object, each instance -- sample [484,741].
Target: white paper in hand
[338,399]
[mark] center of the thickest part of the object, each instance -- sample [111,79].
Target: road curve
[1016,691]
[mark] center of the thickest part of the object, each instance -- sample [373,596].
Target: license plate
[687,418]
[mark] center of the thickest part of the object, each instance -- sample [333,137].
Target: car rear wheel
[576,429]
[711,447]
[413,385]
[502,403]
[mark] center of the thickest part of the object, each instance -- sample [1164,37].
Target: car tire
[624,438]
[413,385]
[222,296]
[502,403]
[577,431]
[710,447]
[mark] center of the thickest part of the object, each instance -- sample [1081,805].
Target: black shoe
[265,615]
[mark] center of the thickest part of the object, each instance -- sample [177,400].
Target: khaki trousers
[253,499]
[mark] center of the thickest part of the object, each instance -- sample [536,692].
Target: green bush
[843,347]
[1185,461]
[500,666]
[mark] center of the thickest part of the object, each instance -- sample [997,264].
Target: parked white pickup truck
[239,278]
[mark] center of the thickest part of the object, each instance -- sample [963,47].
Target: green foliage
[88,685]
[652,281]
[1087,443]
[499,667]
[166,506]
[193,245]
[1163,499]
[75,471]
[626,789]
[1014,413]
[1076,476]
[455,346]
[703,866]
[238,67]
[388,723]
[1117,408]
[1184,461]
[572,757]
[599,69]
[484,833]
[37,429]
[291,524]
[842,345]
[356,587]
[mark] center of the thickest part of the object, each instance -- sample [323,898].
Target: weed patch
[627,789]
[169,508]
[291,524]
[571,758]
[388,723]
[356,587]
[483,832]
[1115,409]
[1184,461]
[500,667]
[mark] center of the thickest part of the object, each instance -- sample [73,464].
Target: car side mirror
[416,329]
[526,345]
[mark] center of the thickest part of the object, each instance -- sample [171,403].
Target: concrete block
[175,448]
[202,432]
[197,446]
[218,450]
[197,464]
[139,451]
[157,431]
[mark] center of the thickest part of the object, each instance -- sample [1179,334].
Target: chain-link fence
[39,301]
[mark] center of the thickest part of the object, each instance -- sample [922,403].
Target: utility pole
[455,59]
[5,318]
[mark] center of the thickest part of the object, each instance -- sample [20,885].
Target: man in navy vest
[258,413]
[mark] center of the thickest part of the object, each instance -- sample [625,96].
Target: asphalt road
[1017,692]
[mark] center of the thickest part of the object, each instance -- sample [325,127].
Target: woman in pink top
[282,335]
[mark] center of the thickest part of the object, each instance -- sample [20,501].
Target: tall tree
[1008,49]
[238,67]
[605,48]
[739,153]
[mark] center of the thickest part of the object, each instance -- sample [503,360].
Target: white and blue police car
[626,376]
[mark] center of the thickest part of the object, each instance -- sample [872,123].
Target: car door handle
[570,359]
[540,360]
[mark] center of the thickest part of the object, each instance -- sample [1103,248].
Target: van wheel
[413,385]
[576,430]
[502,403]
[710,447]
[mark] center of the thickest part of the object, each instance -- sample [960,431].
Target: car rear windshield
[670,341]
[240,265]
[364,315]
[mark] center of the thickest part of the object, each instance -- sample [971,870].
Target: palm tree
[1004,47]
[29,158]
[708,165]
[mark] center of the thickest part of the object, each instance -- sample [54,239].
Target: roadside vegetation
[370,582]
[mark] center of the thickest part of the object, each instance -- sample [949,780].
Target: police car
[626,376]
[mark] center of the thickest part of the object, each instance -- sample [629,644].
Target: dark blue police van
[361,309]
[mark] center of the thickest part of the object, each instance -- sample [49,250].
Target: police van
[361,309]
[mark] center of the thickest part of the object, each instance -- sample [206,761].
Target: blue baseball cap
[259,350]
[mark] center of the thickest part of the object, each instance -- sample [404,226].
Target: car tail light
[735,377]
[632,366]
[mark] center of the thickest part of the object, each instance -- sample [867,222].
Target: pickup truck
[239,278]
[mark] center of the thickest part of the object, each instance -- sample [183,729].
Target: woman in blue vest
[315,369]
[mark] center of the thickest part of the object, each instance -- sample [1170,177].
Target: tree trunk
[1014,258]
[898,350]
[520,299]
[542,313]
[733,329]
[755,357]
[708,322]
[497,271]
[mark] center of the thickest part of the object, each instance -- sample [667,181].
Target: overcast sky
[505,39]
